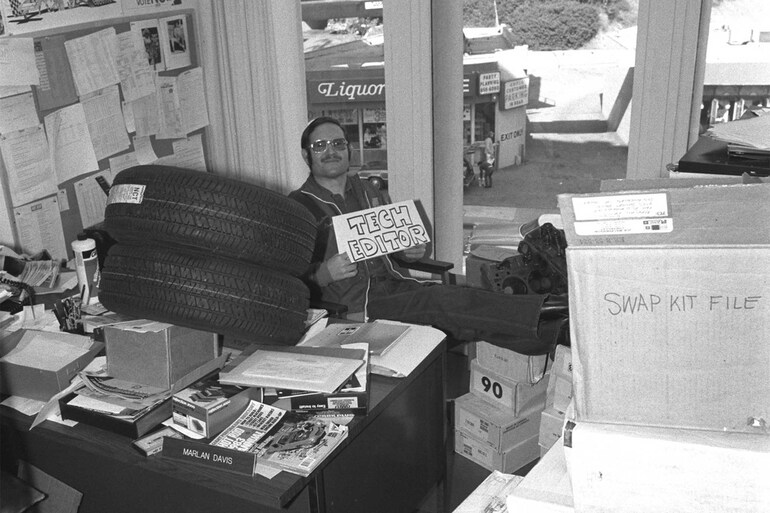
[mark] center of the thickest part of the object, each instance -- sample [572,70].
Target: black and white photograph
[500,255]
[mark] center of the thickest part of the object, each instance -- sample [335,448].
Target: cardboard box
[490,494]
[156,353]
[509,461]
[515,366]
[132,428]
[497,427]
[559,392]
[551,427]
[40,364]
[517,396]
[546,488]
[207,407]
[641,469]
[670,305]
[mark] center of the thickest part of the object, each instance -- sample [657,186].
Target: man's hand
[414,253]
[340,267]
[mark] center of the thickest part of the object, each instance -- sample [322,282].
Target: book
[264,435]
[316,369]
[352,397]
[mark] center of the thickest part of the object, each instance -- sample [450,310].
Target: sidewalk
[553,164]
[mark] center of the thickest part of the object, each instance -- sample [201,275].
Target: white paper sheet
[128,117]
[69,143]
[188,154]
[192,100]
[143,150]
[146,115]
[169,107]
[93,60]
[17,112]
[91,198]
[105,122]
[137,79]
[17,62]
[39,227]
[121,162]
[28,166]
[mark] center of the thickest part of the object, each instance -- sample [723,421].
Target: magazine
[291,441]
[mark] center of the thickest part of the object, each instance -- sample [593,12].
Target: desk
[391,459]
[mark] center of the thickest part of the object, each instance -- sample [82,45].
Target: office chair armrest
[336,310]
[429,265]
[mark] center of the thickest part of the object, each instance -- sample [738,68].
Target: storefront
[495,98]
[356,97]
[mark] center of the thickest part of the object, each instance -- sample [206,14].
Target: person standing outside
[487,166]
[378,288]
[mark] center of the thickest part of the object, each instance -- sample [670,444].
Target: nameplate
[200,453]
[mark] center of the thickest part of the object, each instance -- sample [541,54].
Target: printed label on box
[621,206]
[624,226]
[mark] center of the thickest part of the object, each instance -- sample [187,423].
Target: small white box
[551,426]
[515,395]
[546,488]
[559,392]
[496,426]
[508,461]
[514,366]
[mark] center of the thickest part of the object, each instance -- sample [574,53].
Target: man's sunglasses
[320,145]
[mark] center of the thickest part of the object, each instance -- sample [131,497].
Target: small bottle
[87,269]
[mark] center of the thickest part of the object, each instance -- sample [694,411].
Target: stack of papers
[745,137]
[314,369]
[400,355]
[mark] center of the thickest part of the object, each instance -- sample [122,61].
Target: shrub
[481,13]
[558,25]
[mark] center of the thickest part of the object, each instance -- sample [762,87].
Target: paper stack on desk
[316,369]
[408,349]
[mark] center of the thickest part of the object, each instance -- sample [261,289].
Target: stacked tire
[207,252]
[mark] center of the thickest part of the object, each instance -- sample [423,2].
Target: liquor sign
[489,83]
[346,90]
[516,93]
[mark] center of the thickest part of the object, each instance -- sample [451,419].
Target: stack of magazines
[267,436]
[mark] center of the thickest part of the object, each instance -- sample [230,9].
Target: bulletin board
[84,163]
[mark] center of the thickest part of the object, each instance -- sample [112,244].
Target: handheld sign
[380,230]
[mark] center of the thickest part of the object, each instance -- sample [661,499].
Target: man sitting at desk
[378,289]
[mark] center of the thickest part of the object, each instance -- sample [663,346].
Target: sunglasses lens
[318,146]
[340,144]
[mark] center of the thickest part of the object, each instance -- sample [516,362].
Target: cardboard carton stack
[669,312]
[497,423]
